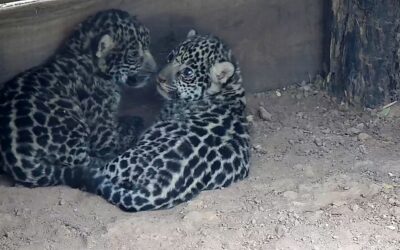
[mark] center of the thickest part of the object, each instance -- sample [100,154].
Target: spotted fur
[200,142]
[60,118]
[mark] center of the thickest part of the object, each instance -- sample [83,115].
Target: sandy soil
[323,177]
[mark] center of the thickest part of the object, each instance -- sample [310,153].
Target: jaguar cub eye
[134,54]
[187,72]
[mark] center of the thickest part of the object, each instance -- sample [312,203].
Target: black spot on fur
[173,166]
[194,140]
[206,178]
[228,167]
[123,164]
[38,171]
[200,169]
[171,128]
[23,122]
[82,94]
[199,131]
[220,178]
[217,141]
[165,174]
[48,170]
[39,130]
[147,207]
[139,201]
[172,155]
[43,181]
[155,135]
[185,149]
[23,104]
[219,130]
[209,140]
[228,182]
[5,142]
[203,151]
[188,196]
[42,140]
[57,138]
[24,136]
[19,173]
[111,168]
[225,152]
[160,201]
[215,166]
[158,163]
[24,149]
[40,106]
[106,191]
[11,158]
[52,121]
[193,162]
[72,142]
[200,123]
[116,197]
[236,163]
[64,104]
[211,156]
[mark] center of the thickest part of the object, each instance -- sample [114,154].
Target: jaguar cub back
[60,117]
[200,142]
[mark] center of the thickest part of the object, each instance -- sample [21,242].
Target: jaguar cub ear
[191,33]
[221,72]
[106,43]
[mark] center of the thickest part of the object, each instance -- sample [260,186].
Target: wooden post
[365,51]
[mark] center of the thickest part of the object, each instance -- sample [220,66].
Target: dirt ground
[323,176]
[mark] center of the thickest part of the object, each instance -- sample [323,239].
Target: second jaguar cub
[61,117]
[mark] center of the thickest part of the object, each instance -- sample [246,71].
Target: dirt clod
[264,114]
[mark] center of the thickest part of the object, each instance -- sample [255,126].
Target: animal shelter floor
[323,176]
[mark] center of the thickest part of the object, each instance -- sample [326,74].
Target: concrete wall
[278,42]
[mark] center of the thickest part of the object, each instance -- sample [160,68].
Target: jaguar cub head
[122,50]
[199,67]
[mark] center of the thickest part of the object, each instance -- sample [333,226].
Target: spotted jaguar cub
[200,141]
[60,117]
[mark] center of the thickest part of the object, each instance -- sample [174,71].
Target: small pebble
[395,211]
[363,136]
[394,202]
[355,208]
[318,142]
[250,118]
[391,227]
[353,131]
[291,195]
[363,149]
[264,114]
[279,231]
[360,126]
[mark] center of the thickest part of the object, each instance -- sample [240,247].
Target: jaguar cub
[200,142]
[61,117]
